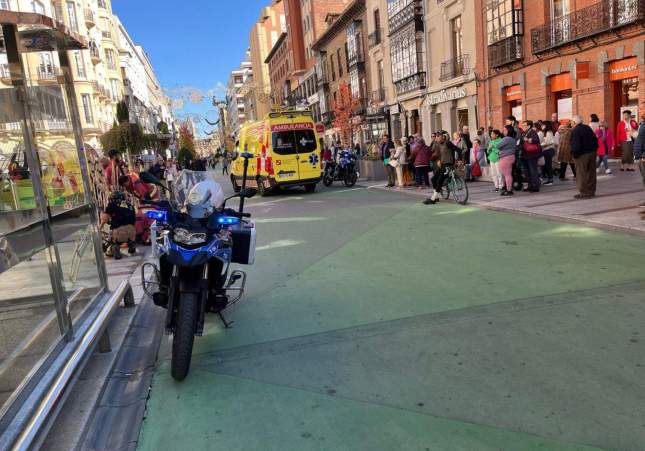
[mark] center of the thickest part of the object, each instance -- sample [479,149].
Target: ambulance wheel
[310,188]
[236,188]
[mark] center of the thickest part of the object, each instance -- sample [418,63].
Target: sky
[193,46]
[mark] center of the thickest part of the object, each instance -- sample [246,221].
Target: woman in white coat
[398,161]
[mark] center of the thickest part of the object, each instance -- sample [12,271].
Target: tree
[122,112]
[344,109]
[162,127]
[186,138]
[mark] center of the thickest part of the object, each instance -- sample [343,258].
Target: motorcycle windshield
[186,181]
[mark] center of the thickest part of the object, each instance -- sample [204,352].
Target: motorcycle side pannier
[244,244]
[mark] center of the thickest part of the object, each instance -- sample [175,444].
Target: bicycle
[456,186]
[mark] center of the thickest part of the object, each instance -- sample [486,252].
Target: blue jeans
[603,160]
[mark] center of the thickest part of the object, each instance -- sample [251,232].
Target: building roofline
[351,10]
[275,47]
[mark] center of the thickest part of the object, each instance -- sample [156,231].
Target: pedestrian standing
[385,151]
[421,154]
[398,161]
[563,155]
[627,131]
[408,176]
[639,154]
[548,151]
[507,147]
[605,143]
[171,173]
[531,152]
[584,145]
[594,122]
[484,137]
[493,159]
[225,164]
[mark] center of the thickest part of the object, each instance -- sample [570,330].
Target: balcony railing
[375,38]
[52,124]
[4,71]
[94,53]
[47,73]
[454,68]
[378,95]
[594,19]
[321,74]
[505,52]
[411,83]
[411,12]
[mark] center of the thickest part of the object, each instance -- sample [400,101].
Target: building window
[80,64]
[109,58]
[115,89]
[403,51]
[381,78]
[101,4]
[340,66]
[87,108]
[37,7]
[71,13]
[4,4]
[333,70]
[457,37]
[504,18]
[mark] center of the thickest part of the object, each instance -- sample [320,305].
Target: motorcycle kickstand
[227,325]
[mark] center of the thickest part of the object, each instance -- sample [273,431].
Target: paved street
[374,322]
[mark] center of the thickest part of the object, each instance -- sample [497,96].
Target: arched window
[37,7]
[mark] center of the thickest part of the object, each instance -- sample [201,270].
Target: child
[493,158]
[122,218]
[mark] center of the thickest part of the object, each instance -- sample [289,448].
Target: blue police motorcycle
[342,171]
[200,238]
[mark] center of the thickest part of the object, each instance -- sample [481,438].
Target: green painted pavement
[383,258]
[224,413]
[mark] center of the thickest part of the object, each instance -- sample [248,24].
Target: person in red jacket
[605,144]
[140,189]
[626,132]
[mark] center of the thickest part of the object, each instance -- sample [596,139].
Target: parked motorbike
[343,171]
[200,239]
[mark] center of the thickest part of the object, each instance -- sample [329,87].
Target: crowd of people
[519,156]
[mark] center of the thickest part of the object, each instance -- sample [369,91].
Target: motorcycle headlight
[194,198]
[183,236]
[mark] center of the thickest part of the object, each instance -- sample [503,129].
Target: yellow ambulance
[286,152]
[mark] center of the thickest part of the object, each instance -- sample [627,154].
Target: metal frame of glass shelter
[54,298]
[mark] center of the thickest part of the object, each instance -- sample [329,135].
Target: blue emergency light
[160,216]
[228,220]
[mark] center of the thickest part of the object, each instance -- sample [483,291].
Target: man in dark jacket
[584,144]
[386,152]
[639,154]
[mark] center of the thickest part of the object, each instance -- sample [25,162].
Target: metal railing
[505,51]
[47,73]
[454,68]
[410,83]
[357,56]
[412,11]
[375,38]
[594,19]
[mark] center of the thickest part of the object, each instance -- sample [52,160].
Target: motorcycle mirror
[249,193]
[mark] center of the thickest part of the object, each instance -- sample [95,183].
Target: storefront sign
[623,69]
[513,93]
[458,92]
[561,82]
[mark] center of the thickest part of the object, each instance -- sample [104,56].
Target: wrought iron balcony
[407,84]
[47,73]
[411,12]
[505,52]
[600,17]
[321,74]
[375,38]
[378,95]
[454,68]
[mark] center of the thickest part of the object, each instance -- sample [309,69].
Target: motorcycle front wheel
[182,343]
[350,179]
[328,180]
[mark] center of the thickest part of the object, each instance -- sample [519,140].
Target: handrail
[63,372]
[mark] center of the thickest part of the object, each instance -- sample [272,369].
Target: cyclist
[444,152]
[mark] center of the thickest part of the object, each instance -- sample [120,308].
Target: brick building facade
[540,58]
[279,69]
